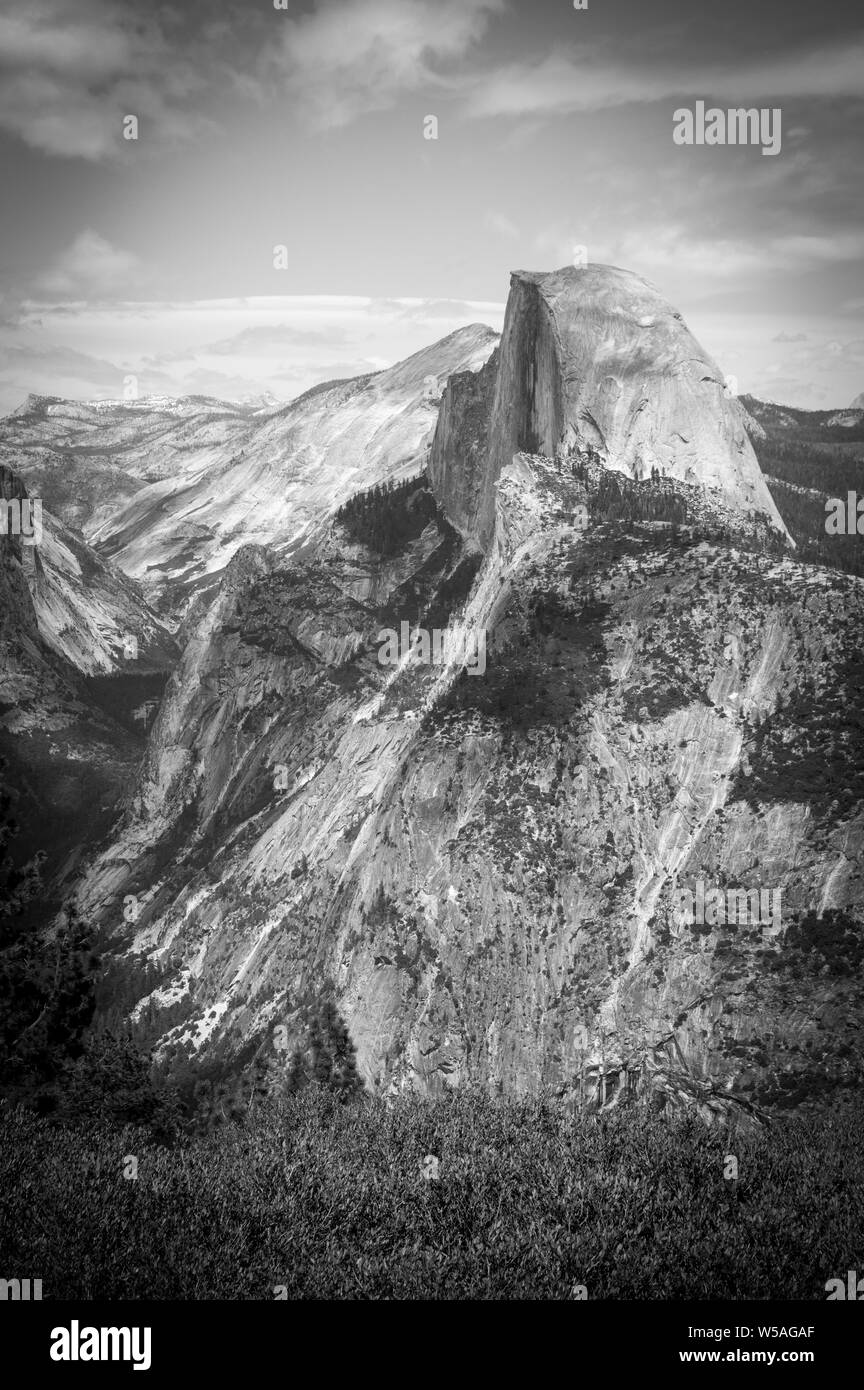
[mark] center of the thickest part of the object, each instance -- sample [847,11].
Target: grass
[329,1201]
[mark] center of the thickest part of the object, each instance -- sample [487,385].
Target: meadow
[316,1198]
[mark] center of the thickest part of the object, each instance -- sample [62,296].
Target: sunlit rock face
[63,616]
[595,356]
[168,491]
[486,867]
[90,612]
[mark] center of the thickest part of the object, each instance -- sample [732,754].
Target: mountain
[595,357]
[849,419]
[485,864]
[858,403]
[809,457]
[168,491]
[85,459]
[771,420]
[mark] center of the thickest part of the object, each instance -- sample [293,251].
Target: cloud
[829,249]
[61,361]
[795,391]
[350,57]
[91,268]
[70,70]
[854,350]
[673,250]
[47,38]
[436,312]
[227,348]
[822,369]
[590,79]
[785,337]
[821,354]
[46,369]
[497,222]
[275,337]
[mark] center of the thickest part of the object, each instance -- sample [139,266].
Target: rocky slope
[69,760]
[87,459]
[169,491]
[89,612]
[765,419]
[485,866]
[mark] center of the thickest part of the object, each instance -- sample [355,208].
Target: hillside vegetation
[320,1199]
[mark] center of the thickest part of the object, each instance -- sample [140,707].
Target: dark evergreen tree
[325,1056]
[47,997]
[343,1069]
[112,1080]
[19,884]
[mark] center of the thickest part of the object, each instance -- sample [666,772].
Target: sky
[153,261]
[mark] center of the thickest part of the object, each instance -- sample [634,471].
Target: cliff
[70,762]
[596,358]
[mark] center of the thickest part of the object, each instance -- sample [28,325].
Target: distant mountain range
[170,489]
[808,457]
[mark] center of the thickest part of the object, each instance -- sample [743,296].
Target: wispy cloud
[350,57]
[91,268]
[500,224]
[592,78]
[228,348]
[660,250]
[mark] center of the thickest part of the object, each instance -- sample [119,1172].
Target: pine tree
[47,998]
[112,1080]
[319,1057]
[343,1075]
[325,1057]
[295,1079]
[259,1082]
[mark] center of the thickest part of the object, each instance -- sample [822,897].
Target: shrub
[331,1201]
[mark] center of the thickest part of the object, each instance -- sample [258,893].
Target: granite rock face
[69,760]
[595,356]
[168,491]
[458,461]
[90,612]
